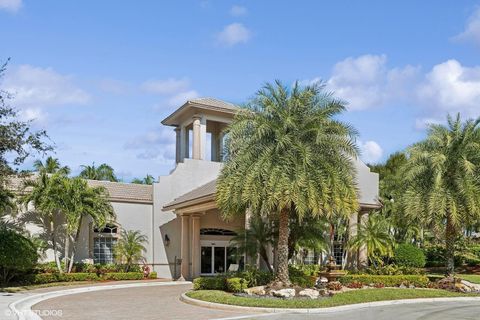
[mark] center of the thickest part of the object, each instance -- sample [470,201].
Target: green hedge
[42,278]
[123,276]
[209,283]
[408,255]
[388,281]
[152,275]
[236,284]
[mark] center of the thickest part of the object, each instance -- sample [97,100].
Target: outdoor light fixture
[166,240]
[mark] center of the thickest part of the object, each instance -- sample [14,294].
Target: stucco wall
[185,177]
[367,183]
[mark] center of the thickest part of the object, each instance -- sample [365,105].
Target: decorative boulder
[260,291]
[311,293]
[283,293]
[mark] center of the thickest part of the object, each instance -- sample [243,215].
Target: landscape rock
[311,293]
[283,293]
[260,291]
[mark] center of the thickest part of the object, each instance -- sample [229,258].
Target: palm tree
[287,154]
[442,180]
[51,165]
[83,201]
[255,240]
[149,179]
[45,213]
[307,233]
[103,172]
[130,248]
[375,236]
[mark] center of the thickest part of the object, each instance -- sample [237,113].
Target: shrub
[123,276]
[391,269]
[302,277]
[236,284]
[355,285]
[79,276]
[48,267]
[334,285]
[388,281]
[17,255]
[255,277]
[209,283]
[152,275]
[379,285]
[408,255]
[42,278]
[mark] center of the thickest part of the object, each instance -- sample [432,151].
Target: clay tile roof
[125,192]
[118,191]
[206,190]
[214,103]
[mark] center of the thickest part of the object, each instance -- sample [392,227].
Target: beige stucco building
[178,214]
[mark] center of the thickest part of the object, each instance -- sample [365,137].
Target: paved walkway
[131,303]
[422,311]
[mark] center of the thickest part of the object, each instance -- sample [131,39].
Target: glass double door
[216,257]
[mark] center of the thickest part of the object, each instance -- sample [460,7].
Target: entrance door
[216,257]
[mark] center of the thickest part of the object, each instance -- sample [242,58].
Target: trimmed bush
[42,278]
[79,276]
[255,277]
[408,255]
[152,275]
[209,283]
[304,281]
[236,284]
[123,276]
[17,255]
[388,281]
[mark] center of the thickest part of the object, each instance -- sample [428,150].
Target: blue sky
[99,76]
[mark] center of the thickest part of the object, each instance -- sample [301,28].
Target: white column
[196,138]
[362,253]
[178,142]
[352,256]
[199,137]
[185,248]
[195,221]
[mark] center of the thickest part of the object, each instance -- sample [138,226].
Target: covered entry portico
[205,237]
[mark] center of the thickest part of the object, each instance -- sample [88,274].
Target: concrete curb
[356,306]
[22,308]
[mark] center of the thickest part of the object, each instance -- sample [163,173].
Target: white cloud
[450,87]
[472,29]
[166,87]
[10,5]
[156,144]
[237,11]
[371,152]
[114,86]
[35,87]
[233,34]
[366,82]
[182,97]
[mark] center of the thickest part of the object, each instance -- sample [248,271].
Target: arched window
[216,232]
[104,241]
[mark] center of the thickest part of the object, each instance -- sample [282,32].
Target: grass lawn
[350,297]
[474,278]
[45,285]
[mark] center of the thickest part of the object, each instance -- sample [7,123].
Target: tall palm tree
[443,179]
[286,153]
[51,165]
[130,248]
[39,206]
[103,172]
[375,236]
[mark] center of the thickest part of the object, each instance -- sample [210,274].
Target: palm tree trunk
[264,255]
[54,246]
[283,233]
[67,250]
[450,247]
[74,244]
